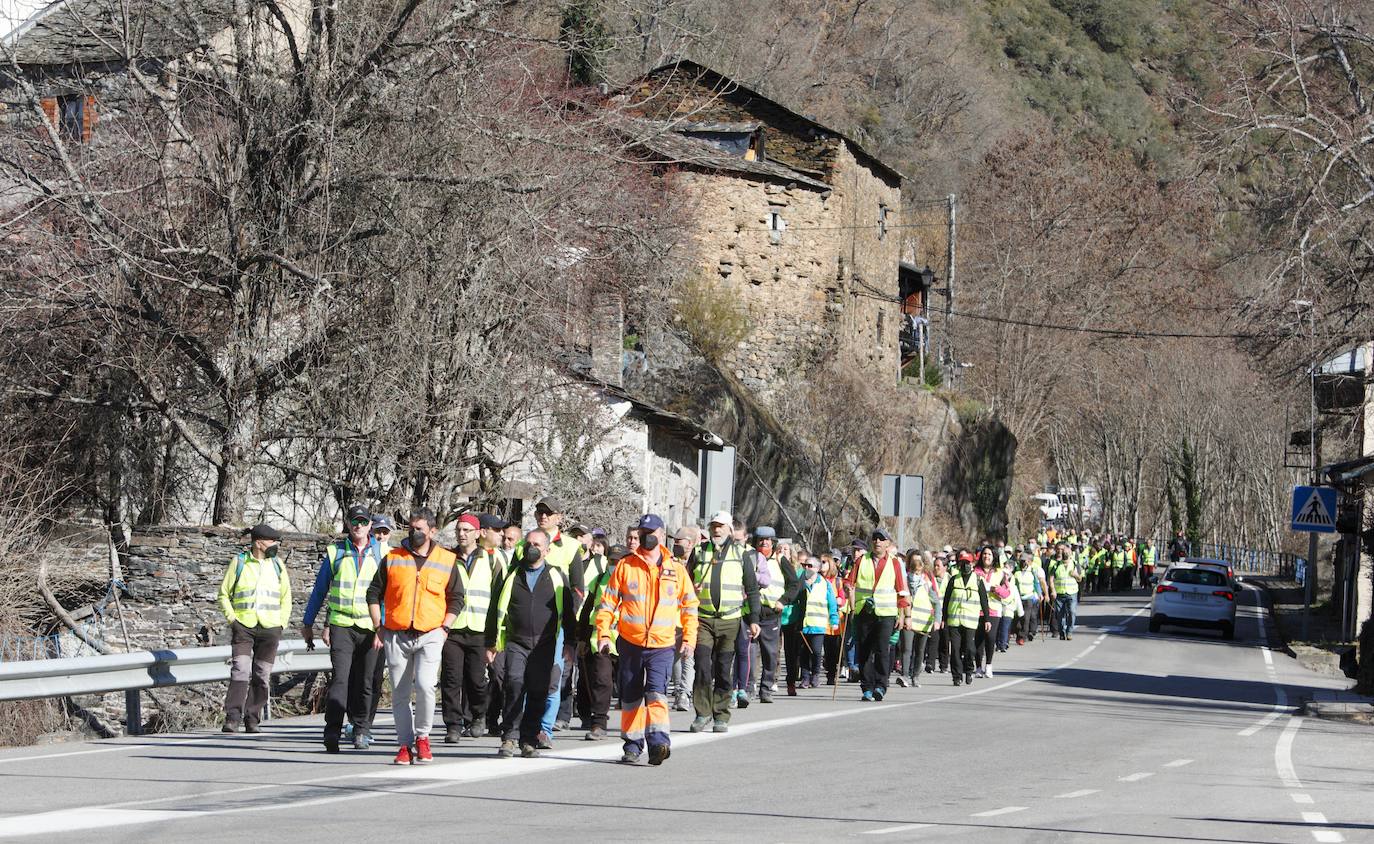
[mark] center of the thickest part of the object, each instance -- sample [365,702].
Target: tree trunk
[231,476]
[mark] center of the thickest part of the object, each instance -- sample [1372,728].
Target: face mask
[532,555]
[648,542]
[679,550]
[965,568]
[271,551]
[418,538]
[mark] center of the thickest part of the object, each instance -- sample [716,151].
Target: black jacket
[532,617]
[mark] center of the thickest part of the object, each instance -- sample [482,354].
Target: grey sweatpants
[413,661]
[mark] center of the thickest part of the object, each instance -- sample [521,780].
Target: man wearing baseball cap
[342,578]
[255,597]
[648,596]
[879,598]
[728,592]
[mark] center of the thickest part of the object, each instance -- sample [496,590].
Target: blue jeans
[1067,605]
[1004,632]
[555,696]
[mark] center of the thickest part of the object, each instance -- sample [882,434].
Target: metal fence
[40,678]
[1244,560]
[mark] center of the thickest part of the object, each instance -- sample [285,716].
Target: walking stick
[834,695]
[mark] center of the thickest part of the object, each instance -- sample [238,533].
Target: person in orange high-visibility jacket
[652,595]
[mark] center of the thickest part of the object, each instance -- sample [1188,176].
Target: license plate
[1194,596]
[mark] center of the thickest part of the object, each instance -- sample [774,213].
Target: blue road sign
[1314,509]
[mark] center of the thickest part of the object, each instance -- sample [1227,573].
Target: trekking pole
[834,695]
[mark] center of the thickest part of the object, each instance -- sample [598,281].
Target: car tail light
[1222,593]
[1164,588]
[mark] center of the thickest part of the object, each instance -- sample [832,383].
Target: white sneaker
[988,671]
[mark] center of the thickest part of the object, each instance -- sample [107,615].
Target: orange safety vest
[416,600]
[652,600]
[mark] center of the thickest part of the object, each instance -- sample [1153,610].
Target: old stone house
[790,219]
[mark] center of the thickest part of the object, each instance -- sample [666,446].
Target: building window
[776,225]
[880,328]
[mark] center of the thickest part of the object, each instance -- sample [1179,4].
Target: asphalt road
[1116,735]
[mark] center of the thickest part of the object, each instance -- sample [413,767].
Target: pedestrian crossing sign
[1314,509]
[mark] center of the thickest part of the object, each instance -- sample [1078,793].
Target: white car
[1191,595]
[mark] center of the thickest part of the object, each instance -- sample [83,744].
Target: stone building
[789,218]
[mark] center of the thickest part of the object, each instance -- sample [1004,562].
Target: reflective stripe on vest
[477,588]
[964,606]
[817,604]
[731,582]
[348,588]
[560,585]
[254,607]
[1025,583]
[1064,584]
[884,593]
[922,607]
[416,599]
[772,593]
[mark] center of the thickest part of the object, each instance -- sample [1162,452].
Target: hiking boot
[659,752]
[720,727]
[698,724]
[968,678]
[507,749]
[252,728]
[402,757]
[629,757]
[560,726]
[422,754]
[596,734]
[362,739]
[529,751]
[229,727]
[452,735]
[543,741]
[792,688]
[879,694]
[331,744]
[765,696]
[680,705]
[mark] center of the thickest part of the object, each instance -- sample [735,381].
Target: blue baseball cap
[765,532]
[650,521]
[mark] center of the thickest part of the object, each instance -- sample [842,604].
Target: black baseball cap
[549,504]
[262,530]
[358,513]
[491,521]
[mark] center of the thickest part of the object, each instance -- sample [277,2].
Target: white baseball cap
[721,518]
[947,550]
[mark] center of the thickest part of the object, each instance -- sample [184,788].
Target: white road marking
[1313,817]
[71,820]
[137,745]
[1283,755]
[1327,836]
[1268,657]
[1136,777]
[890,829]
[1073,794]
[1302,799]
[1005,810]
[1271,717]
[1178,763]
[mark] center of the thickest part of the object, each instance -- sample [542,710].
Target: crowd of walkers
[514,633]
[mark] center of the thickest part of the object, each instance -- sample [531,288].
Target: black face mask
[965,568]
[418,538]
[532,556]
[271,551]
[679,550]
[648,542]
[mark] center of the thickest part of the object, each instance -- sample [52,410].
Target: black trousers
[872,638]
[961,659]
[803,653]
[253,652]
[832,656]
[353,661]
[496,692]
[937,650]
[770,644]
[463,678]
[985,640]
[529,681]
[597,680]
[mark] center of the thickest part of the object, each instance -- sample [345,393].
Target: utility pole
[949,299]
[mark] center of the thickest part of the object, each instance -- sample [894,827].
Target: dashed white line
[1005,810]
[1327,836]
[1302,799]
[1268,657]
[1268,719]
[890,829]
[1072,794]
[1136,777]
[1178,763]
[1283,755]
[1313,817]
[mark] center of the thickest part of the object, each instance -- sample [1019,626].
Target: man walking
[782,584]
[879,596]
[598,669]
[534,613]
[255,597]
[342,580]
[966,606]
[1064,580]
[648,596]
[728,593]
[422,595]
[463,667]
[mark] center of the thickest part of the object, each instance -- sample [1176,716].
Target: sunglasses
[808,567]
[382,532]
[360,522]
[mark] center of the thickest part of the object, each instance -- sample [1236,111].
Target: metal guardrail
[1249,560]
[83,675]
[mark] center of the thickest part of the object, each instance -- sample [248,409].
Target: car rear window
[1201,577]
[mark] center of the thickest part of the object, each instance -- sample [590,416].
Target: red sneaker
[422,754]
[402,757]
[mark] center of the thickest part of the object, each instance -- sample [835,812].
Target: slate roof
[665,144]
[94,31]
